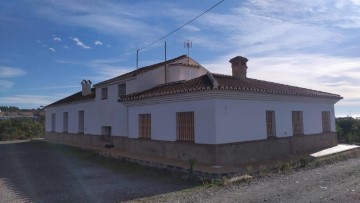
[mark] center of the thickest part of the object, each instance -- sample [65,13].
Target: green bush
[22,128]
[348,129]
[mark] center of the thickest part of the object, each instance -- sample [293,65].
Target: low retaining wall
[222,154]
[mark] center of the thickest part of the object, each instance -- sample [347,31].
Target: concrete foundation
[233,154]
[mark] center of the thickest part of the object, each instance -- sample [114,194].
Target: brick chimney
[86,87]
[238,65]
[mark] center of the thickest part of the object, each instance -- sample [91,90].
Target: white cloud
[57,39]
[4,84]
[338,75]
[97,42]
[79,43]
[9,72]
[105,17]
[52,49]
[66,47]
[26,99]
[192,28]
[105,70]
[108,72]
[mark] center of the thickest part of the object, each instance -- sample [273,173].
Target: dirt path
[338,182]
[44,172]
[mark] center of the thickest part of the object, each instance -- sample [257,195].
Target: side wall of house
[245,120]
[97,113]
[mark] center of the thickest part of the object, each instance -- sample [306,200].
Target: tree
[348,129]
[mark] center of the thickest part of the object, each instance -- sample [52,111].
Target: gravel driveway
[339,182]
[43,172]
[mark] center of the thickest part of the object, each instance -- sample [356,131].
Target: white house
[179,110]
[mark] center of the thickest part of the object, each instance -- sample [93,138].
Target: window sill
[144,138]
[186,141]
[272,137]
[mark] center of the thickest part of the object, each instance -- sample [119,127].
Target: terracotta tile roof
[197,84]
[226,83]
[74,98]
[138,71]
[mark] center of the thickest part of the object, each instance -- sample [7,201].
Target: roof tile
[226,82]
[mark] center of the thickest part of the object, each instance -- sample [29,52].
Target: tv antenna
[188,45]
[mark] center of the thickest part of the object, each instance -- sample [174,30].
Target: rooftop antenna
[188,45]
[137,59]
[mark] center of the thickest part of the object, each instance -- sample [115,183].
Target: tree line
[348,129]
[21,128]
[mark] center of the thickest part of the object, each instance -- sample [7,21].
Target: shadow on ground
[37,171]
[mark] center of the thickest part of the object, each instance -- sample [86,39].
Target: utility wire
[172,32]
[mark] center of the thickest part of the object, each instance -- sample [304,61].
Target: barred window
[145,126]
[270,124]
[297,122]
[65,122]
[81,121]
[53,122]
[106,132]
[326,121]
[185,126]
[104,93]
[122,90]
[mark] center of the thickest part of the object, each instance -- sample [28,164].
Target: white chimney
[86,87]
[239,67]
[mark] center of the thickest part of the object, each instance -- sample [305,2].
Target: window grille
[326,121]
[145,126]
[65,122]
[185,126]
[81,121]
[270,124]
[104,93]
[297,122]
[122,90]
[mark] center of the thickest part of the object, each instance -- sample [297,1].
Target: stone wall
[222,154]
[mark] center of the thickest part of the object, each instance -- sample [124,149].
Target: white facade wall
[150,79]
[220,121]
[98,113]
[108,112]
[163,120]
[176,73]
[245,120]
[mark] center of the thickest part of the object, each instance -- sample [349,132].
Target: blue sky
[48,47]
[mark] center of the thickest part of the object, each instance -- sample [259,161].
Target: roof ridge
[213,80]
[276,83]
[304,88]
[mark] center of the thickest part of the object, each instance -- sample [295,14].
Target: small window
[270,124]
[122,90]
[297,122]
[145,126]
[106,132]
[81,122]
[65,122]
[53,122]
[104,93]
[326,121]
[185,126]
